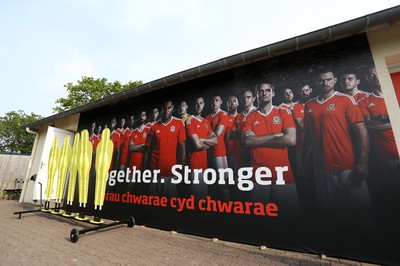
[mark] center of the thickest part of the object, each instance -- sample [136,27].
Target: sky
[45,44]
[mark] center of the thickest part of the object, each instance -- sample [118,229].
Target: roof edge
[342,30]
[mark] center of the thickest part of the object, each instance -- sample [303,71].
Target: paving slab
[43,239]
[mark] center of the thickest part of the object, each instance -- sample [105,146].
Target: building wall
[292,231]
[69,123]
[385,48]
[27,192]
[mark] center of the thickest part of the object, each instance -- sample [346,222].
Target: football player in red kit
[219,120]
[340,176]
[242,153]
[137,142]
[165,147]
[384,159]
[268,132]
[200,139]
[349,81]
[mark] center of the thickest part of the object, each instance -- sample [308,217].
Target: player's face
[143,116]
[305,92]
[199,105]
[154,114]
[216,102]
[265,92]
[167,110]
[113,122]
[287,95]
[131,120]
[248,99]
[93,127]
[326,82]
[349,82]
[232,103]
[122,123]
[372,77]
[182,109]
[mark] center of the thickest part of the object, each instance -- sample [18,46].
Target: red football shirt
[298,109]
[94,139]
[298,112]
[374,106]
[116,139]
[231,144]
[138,137]
[164,139]
[120,131]
[220,118]
[202,128]
[276,121]
[360,95]
[125,146]
[241,153]
[328,123]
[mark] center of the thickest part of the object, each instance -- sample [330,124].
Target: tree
[89,89]
[12,137]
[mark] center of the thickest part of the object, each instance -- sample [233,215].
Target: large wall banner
[294,152]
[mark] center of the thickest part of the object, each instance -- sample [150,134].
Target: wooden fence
[12,173]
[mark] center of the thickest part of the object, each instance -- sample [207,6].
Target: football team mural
[293,152]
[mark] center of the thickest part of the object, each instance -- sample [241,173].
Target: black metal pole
[74,235]
[40,194]
[21,212]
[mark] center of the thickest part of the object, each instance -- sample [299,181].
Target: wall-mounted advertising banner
[294,152]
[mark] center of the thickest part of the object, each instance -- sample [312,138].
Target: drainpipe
[28,171]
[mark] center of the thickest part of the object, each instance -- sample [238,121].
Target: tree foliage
[14,139]
[89,89]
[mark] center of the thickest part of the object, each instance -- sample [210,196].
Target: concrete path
[43,239]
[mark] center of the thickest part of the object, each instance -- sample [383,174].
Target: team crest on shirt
[256,123]
[172,129]
[276,119]
[331,107]
[144,135]
[198,126]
